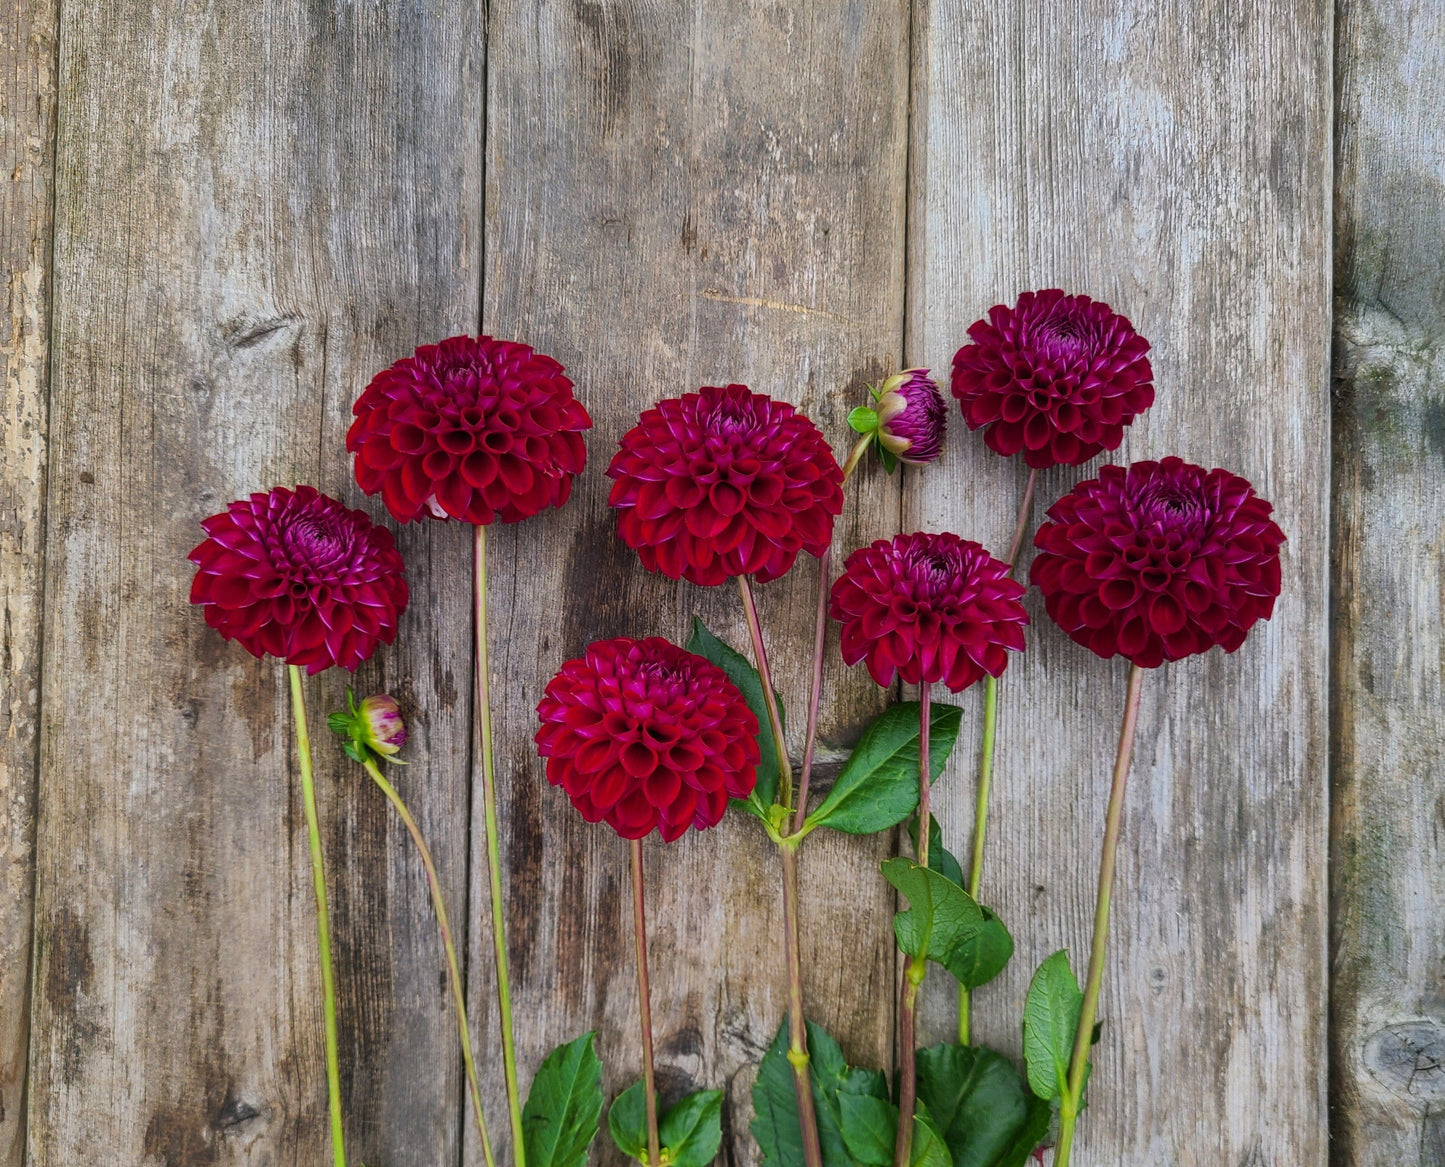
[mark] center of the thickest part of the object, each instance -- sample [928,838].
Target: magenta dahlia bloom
[928,608]
[472,428]
[1159,561]
[724,482]
[908,415]
[298,575]
[645,734]
[1056,376]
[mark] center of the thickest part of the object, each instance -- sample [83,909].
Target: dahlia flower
[373,727]
[1056,376]
[472,428]
[724,482]
[928,608]
[908,416]
[1159,561]
[645,734]
[298,575]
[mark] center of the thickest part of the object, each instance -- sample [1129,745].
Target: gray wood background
[220,219]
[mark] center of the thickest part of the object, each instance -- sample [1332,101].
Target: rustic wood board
[664,211]
[27,132]
[1388,884]
[1172,159]
[258,208]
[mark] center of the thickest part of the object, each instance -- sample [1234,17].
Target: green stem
[323,920]
[770,698]
[1073,1094]
[453,970]
[986,748]
[644,1006]
[494,857]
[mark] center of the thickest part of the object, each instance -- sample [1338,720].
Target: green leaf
[870,1128]
[776,1127]
[878,787]
[889,459]
[980,957]
[863,420]
[929,1149]
[940,859]
[940,916]
[1033,1132]
[745,677]
[691,1130]
[977,1099]
[627,1122]
[1051,1019]
[563,1106]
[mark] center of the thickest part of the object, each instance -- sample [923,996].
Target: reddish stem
[1022,525]
[644,1004]
[820,629]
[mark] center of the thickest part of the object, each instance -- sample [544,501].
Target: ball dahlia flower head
[1159,561]
[724,482]
[472,428]
[1056,376]
[297,575]
[646,735]
[926,607]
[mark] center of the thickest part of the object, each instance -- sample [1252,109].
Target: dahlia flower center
[314,549]
[731,419]
[934,574]
[1171,508]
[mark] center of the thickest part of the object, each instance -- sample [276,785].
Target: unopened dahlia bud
[374,727]
[908,418]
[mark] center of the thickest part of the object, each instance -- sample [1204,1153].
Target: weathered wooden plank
[682,195]
[257,207]
[1172,159]
[1388,998]
[27,130]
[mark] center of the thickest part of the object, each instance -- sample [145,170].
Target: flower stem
[798,1056]
[453,971]
[855,455]
[644,1005]
[1083,1038]
[788,853]
[770,699]
[985,753]
[820,629]
[913,971]
[494,859]
[323,920]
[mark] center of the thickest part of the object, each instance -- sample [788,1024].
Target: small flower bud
[911,417]
[374,727]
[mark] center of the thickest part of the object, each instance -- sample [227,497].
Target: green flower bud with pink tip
[374,727]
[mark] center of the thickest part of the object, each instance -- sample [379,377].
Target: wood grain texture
[259,206]
[1172,159]
[27,135]
[682,195]
[1388,996]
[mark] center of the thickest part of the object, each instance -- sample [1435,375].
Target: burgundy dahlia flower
[930,608]
[1159,561]
[645,734]
[1056,376]
[724,482]
[298,575]
[472,428]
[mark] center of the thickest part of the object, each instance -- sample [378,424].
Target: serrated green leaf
[941,918]
[978,1101]
[627,1122]
[870,1128]
[1034,1131]
[564,1105]
[940,859]
[776,1127]
[863,420]
[745,677]
[1051,1019]
[691,1130]
[929,1149]
[878,786]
